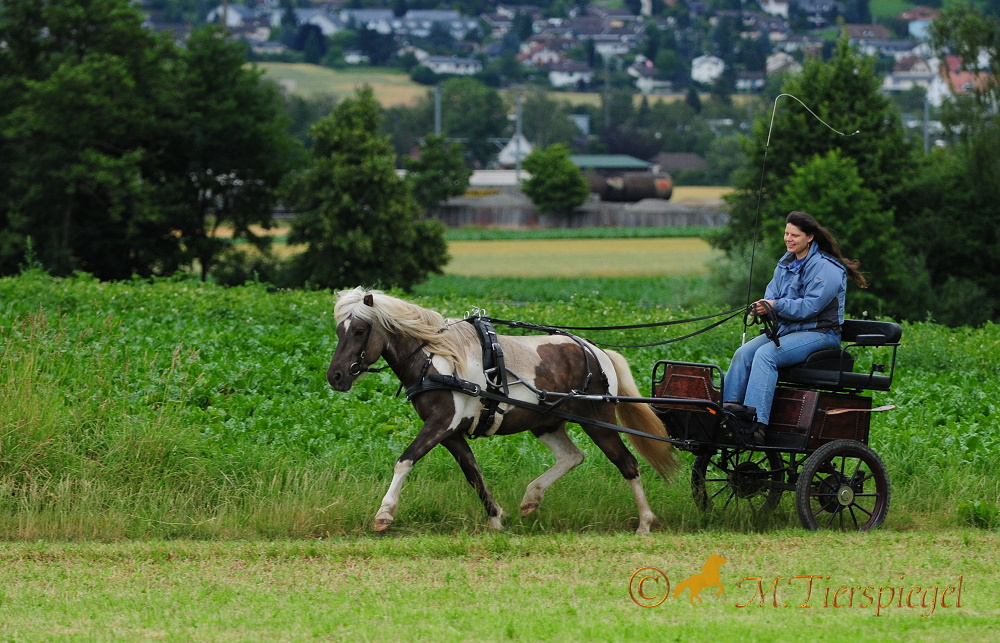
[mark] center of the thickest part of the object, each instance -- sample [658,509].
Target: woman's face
[796,241]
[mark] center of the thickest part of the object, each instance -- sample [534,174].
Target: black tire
[738,479]
[843,485]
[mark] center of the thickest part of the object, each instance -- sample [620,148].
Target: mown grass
[177,409]
[558,587]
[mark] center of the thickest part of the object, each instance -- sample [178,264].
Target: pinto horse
[416,343]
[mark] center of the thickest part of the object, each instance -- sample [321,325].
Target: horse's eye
[358,332]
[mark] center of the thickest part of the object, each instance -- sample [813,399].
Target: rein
[769,321]
[727,315]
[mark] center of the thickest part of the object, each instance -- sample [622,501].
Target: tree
[439,173]
[556,184]
[545,121]
[947,205]
[972,36]
[830,188]
[230,148]
[474,114]
[83,93]
[359,219]
[845,94]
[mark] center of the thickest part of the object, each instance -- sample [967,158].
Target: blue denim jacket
[809,296]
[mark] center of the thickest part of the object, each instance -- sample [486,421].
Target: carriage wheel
[738,479]
[842,485]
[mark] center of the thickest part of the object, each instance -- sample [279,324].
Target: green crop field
[173,465]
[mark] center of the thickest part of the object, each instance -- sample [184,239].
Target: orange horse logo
[708,577]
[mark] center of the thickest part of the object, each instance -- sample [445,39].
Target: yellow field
[393,87]
[579,257]
[390,88]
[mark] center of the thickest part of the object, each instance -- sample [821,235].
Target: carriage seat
[833,369]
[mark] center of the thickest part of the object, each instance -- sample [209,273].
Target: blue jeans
[753,373]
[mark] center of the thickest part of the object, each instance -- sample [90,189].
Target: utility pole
[927,117]
[517,143]
[607,92]
[437,111]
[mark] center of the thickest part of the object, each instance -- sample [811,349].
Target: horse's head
[360,344]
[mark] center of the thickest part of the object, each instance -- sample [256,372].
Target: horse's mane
[446,338]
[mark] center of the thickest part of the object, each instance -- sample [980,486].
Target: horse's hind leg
[567,456]
[613,447]
[459,448]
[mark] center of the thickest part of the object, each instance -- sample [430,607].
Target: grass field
[390,87]
[565,587]
[579,257]
[174,466]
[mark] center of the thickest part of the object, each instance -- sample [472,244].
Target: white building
[707,69]
[569,73]
[453,65]
[775,7]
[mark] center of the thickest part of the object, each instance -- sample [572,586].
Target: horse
[418,343]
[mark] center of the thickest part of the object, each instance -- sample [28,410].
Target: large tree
[556,184]
[83,89]
[358,217]
[229,148]
[947,206]
[848,116]
[121,153]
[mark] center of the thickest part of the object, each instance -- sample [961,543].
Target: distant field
[390,87]
[579,257]
[889,8]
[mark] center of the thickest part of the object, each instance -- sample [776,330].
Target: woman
[807,295]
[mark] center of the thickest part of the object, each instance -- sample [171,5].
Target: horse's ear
[369,300]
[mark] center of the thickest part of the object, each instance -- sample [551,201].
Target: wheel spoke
[870,514]
[856,469]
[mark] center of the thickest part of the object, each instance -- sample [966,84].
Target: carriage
[816,444]
[466,380]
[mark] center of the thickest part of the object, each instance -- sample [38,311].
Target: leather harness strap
[495,372]
[497,389]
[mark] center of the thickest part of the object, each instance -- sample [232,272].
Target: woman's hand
[762,306]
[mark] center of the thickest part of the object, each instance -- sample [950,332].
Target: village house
[569,74]
[918,20]
[453,65]
[908,73]
[707,69]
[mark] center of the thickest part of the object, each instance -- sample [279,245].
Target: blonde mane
[444,337]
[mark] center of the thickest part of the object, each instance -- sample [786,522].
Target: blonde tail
[640,416]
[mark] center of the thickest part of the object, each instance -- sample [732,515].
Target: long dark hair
[827,243]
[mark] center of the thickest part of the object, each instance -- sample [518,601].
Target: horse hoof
[496,524]
[528,508]
[642,530]
[382,523]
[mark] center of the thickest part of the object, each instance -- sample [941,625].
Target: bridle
[358,366]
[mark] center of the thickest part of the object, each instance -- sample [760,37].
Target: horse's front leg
[430,435]
[459,448]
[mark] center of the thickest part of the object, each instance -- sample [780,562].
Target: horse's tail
[640,416]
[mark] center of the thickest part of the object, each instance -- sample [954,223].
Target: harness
[497,389]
